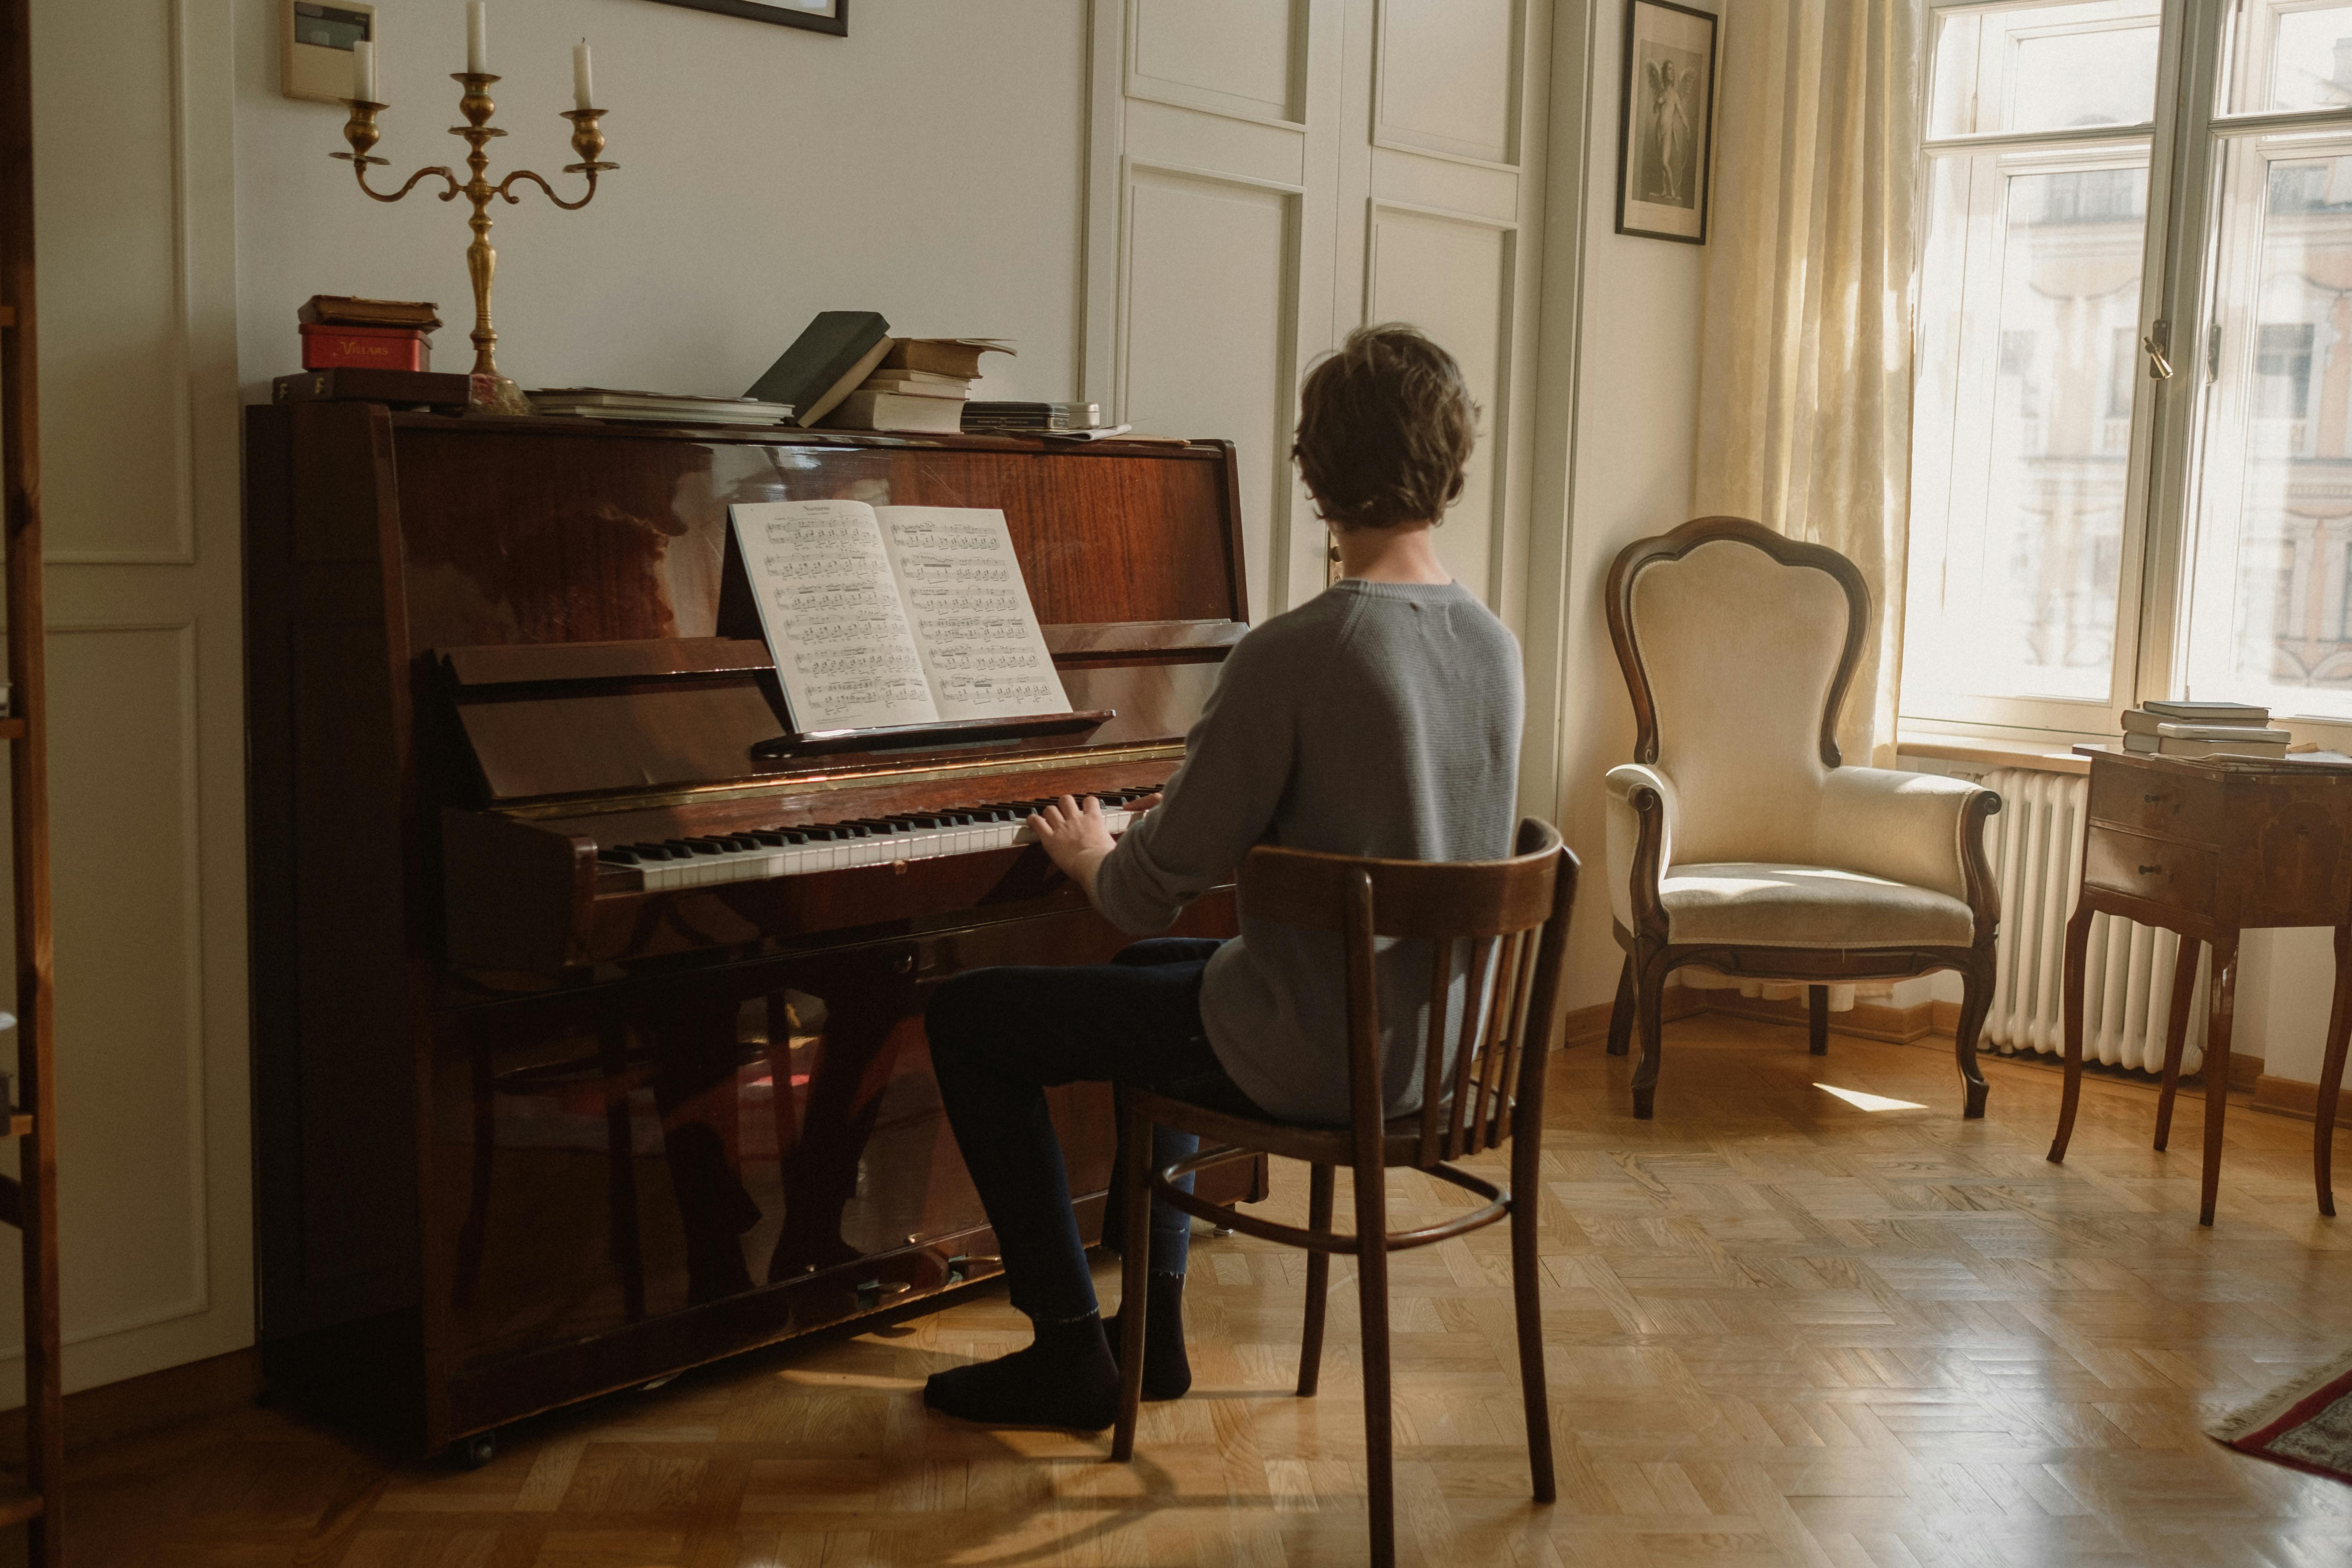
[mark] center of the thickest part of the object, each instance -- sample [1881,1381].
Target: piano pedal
[472,1453]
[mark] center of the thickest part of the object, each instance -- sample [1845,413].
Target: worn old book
[2181,746]
[896,410]
[895,615]
[917,383]
[2147,721]
[348,310]
[2208,713]
[834,351]
[656,407]
[1032,416]
[401,388]
[943,356]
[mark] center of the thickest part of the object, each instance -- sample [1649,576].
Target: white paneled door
[132,116]
[1267,175]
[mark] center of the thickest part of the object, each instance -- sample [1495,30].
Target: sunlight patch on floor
[1862,1101]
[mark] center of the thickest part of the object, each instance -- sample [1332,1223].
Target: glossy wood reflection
[527,1131]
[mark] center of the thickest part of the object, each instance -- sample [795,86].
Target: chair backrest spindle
[1513,916]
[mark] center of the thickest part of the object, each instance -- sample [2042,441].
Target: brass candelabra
[491,391]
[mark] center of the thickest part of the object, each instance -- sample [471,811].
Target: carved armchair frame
[1650,956]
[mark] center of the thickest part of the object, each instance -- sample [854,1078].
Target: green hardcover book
[828,350]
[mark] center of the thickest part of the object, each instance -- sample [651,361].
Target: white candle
[363,71]
[477,37]
[583,88]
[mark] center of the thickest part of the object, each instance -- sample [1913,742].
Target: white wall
[930,166]
[1636,422]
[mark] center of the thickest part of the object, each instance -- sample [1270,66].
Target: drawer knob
[2149,871]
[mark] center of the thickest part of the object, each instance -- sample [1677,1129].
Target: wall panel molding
[1413,22]
[174,369]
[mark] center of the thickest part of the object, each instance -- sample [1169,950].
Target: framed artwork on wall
[817,16]
[1665,142]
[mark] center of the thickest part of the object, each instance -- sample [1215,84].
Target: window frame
[2188,142]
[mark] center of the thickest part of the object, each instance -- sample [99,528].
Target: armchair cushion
[1765,904]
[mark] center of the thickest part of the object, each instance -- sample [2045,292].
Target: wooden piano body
[523,1133]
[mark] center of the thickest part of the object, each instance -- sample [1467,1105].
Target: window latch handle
[2158,367]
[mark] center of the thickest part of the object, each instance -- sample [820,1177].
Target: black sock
[1066,1379]
[1167,1372]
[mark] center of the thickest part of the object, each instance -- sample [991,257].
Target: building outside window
[2132,457]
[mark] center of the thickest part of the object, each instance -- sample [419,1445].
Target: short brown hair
[1385,429]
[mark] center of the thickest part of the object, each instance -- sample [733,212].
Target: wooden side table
[2208,848]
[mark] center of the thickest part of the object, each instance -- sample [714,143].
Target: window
[2131,443]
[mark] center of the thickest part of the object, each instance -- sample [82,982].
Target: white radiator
[2036,846]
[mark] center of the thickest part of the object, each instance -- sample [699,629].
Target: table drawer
[2146,801]
[2156,869]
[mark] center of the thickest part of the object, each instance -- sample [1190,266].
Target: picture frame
[1666,127]
[815,15]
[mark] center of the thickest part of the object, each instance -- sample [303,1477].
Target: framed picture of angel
[1666,134]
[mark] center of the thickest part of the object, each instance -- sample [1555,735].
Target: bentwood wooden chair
[1736,840]
[1495,928]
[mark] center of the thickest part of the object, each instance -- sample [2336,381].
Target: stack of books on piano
[848,372]
[656,407]
[2203,730]
[341,333]
[920,384]
[1032,418]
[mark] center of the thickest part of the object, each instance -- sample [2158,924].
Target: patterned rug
[2307,1424]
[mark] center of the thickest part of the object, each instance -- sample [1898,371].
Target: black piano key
[616,856]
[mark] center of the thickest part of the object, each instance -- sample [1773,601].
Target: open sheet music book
[895,615]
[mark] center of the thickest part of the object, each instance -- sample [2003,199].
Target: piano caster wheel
[472,1453]
[1220,1232]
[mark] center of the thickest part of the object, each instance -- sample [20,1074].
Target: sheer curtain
[1805,370]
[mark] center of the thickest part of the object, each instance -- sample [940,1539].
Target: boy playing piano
[1380,718]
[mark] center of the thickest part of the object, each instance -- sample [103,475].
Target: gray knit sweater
[1377,718]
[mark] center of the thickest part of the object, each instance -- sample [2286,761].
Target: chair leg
[1318,1281]
[1976,1001]
[1372,1297]
[1649,1008]
[1816,1019]
[1621,1016]
[1134,1289]
[1527,1297]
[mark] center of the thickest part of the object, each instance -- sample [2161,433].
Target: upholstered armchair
[1736,838]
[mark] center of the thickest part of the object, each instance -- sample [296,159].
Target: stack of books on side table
[340,332]
[2203,730]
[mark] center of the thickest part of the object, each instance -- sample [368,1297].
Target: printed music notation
[881,615]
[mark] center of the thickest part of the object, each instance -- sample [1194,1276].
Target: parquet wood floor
[1781,1331]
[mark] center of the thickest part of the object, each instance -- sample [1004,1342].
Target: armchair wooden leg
[1318,1281]
[1134,1259]
[1976,1001]
[2078,949]
[1649,1009]
[1372,1298]
[1816,1019]
[1527,1293]
[1621,1016]
[2176,1034]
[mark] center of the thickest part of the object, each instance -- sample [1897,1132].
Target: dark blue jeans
[1001,1037]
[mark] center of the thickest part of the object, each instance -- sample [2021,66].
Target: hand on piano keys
[756,854]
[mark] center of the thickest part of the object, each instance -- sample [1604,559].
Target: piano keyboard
[756,854]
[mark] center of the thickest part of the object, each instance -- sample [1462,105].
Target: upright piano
[588,1020]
